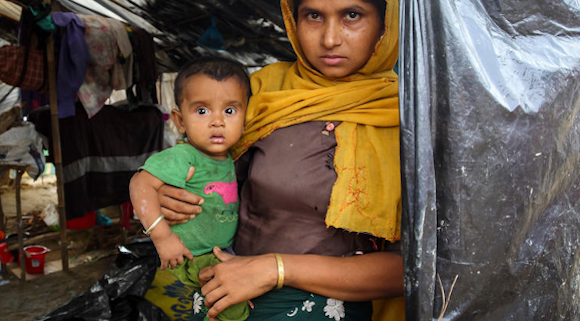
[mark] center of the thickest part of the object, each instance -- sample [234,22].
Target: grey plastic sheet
[490,134]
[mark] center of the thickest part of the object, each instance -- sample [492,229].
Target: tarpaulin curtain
[490,134]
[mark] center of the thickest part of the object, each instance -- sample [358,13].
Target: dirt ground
[33,299]
[90,253]
[35,195]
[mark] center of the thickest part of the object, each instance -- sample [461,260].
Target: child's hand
[171,251]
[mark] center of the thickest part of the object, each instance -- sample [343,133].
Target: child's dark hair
[217,68]
[381,6]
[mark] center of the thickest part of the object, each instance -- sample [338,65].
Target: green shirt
[215,181]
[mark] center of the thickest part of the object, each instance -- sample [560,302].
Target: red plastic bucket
[34,260]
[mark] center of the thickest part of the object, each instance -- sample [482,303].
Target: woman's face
[338,36]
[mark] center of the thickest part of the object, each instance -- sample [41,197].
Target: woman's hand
[355,278]
[236,279]
[178,205]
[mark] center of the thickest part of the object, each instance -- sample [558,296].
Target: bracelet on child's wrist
[150,229]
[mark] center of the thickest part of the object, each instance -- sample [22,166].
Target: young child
[212,95]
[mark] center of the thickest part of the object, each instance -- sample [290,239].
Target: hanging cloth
[97,87]
[146,68]
[123,68]
[42,17]
[73,58]
[107,39]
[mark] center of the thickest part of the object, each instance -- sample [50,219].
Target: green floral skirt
[293,304]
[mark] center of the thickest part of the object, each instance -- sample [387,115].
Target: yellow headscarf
[367,194]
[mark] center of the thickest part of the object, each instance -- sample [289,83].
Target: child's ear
[177,118]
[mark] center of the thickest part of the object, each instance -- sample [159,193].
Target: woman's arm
[357,278]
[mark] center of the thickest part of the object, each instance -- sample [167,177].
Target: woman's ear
[177,118]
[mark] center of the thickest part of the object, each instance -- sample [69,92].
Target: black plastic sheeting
[490,96]
[118,294]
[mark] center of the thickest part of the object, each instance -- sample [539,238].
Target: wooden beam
[19,173]
[41,238]
[121,5]
[288,51]
[137,6]
[3,218]
[263,13]
[129,10]
[2,226]
[18,3]
[54,235]
[56,147]
[13,9]
[192,19]
[8,16]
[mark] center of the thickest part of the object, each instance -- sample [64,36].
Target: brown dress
[285,182]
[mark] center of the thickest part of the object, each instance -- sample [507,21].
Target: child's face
[212,113]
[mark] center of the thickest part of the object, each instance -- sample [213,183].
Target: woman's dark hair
[217,68]
[381,6]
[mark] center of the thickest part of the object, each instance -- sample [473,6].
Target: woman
[319,172]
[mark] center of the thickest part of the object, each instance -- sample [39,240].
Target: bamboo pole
[2,228]
[8,16]
[22,255]
[18,3]
[56,148]
[20,170]
[277,22]
[2,218]
[42,238]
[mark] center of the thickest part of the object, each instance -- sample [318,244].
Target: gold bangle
[280,264]
[150,229]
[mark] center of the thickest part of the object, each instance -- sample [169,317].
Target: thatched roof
[252,30]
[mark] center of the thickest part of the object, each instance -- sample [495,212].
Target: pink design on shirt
[228,191]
